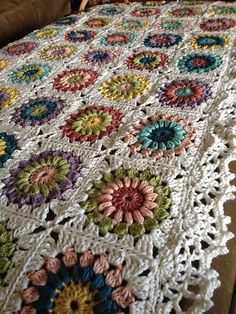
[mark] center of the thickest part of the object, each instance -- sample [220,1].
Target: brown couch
[19,17]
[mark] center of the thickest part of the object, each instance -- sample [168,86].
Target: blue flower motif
[161,135]
[8,145]
[111,11]
[30,73]
[80,36]
[69,20]
[162,40]
[199,63]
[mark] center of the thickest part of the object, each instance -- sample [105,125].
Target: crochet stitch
[117,129]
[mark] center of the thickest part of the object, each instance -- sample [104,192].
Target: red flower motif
[214,25]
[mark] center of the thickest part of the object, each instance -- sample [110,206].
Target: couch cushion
[19,17]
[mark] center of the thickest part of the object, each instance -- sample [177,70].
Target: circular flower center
[200,62]
[184,92]
[93,122]
[162,134]
[127,199]
[126,86]
[38,110]
[74,299]
[147,60]
[2,147]
[43,175]
[77,78]
[31,72]
[100,56]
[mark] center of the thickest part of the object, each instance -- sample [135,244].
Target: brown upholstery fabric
[19,17]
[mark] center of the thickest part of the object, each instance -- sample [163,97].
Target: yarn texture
[117,129]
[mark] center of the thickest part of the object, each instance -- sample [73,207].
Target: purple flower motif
[42,178]
[38,111]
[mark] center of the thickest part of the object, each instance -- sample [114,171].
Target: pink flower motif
[114,277]
[70,257]
[30,295]
[86,259]
[123,296]
[38,277]
[101,264]
[52,264]
[27,310]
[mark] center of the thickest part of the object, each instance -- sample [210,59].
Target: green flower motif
[224,10]
[30,73]
[127,201]
[8,246]
[173,25]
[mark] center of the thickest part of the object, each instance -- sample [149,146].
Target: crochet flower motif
[42,178]
[144,12]
[100,57]
[173,25]
[184,93]
[57,52]
[79,36]
[147,60]
[30,73]
[8,247]
[38,111]
[199,63]
[20,48]
[8,145]
[111,11]
[77,283]
[124,87]
[118,39]
[215,25]
[8,96]
[75,80]
[160,136]
[69,20]
[97,22]
[4,64]
[127,201]
[132,24]
[224,10]
[92,123]
[162,40]
[185,11]
[46,33]
[210,41]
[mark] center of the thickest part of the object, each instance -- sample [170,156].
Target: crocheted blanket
[117,129]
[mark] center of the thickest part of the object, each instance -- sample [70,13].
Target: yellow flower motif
[46,33]
[8,96]
[210,42]
[2,147]
[132,24]
[124,87]
[74,298]
[4,64]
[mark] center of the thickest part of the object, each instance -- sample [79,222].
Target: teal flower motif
[199,63]
[161,135]
[30,73]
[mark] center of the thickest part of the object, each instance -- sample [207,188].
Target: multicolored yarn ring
[184,93]
[74,80]
[125,87]
[77,283]
[100,57]
[42,178]
[29,73]
[199,63]
[162,40]
[215,25]
[57,52]
[147,60]
[127,201]
[160,136]
[92,123]
[210,41]
[145,12]
[38,111]
[20,48]
[79,36]
[118,39]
